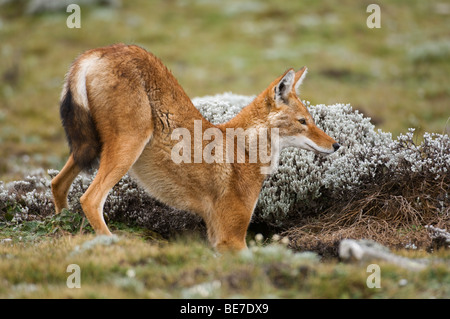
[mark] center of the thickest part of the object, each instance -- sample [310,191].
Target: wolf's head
[286,112]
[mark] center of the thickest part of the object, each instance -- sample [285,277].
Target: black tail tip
[86,156]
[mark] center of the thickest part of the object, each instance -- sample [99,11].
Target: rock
[366,250]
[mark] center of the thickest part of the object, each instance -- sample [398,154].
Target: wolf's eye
[302,121]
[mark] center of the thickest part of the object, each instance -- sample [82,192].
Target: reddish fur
[135,103]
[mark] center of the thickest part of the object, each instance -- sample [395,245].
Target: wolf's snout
[336,146]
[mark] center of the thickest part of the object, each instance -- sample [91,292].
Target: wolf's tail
[81,132]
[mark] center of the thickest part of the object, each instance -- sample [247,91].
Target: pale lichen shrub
[306,183]
[221,108]
[431,157]
[303,177]
[26,199]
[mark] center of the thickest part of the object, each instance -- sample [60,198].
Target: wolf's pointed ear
[299,77]
[284,87]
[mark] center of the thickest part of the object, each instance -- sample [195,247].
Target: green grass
[397,74]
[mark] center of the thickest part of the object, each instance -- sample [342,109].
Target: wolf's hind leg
[61,183]
[116,159]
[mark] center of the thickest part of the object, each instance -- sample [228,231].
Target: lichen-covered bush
[27,199]
[371,174]
[31,199]
[306,183]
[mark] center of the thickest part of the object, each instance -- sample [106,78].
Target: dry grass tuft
[393,213]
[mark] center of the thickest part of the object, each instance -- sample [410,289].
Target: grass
[36,251]
[135,267]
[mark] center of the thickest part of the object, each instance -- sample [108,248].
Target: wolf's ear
[299,77]
[284,87]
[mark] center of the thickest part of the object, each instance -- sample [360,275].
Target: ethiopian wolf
[122,108]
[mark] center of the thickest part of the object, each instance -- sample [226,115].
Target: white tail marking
[79,87]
